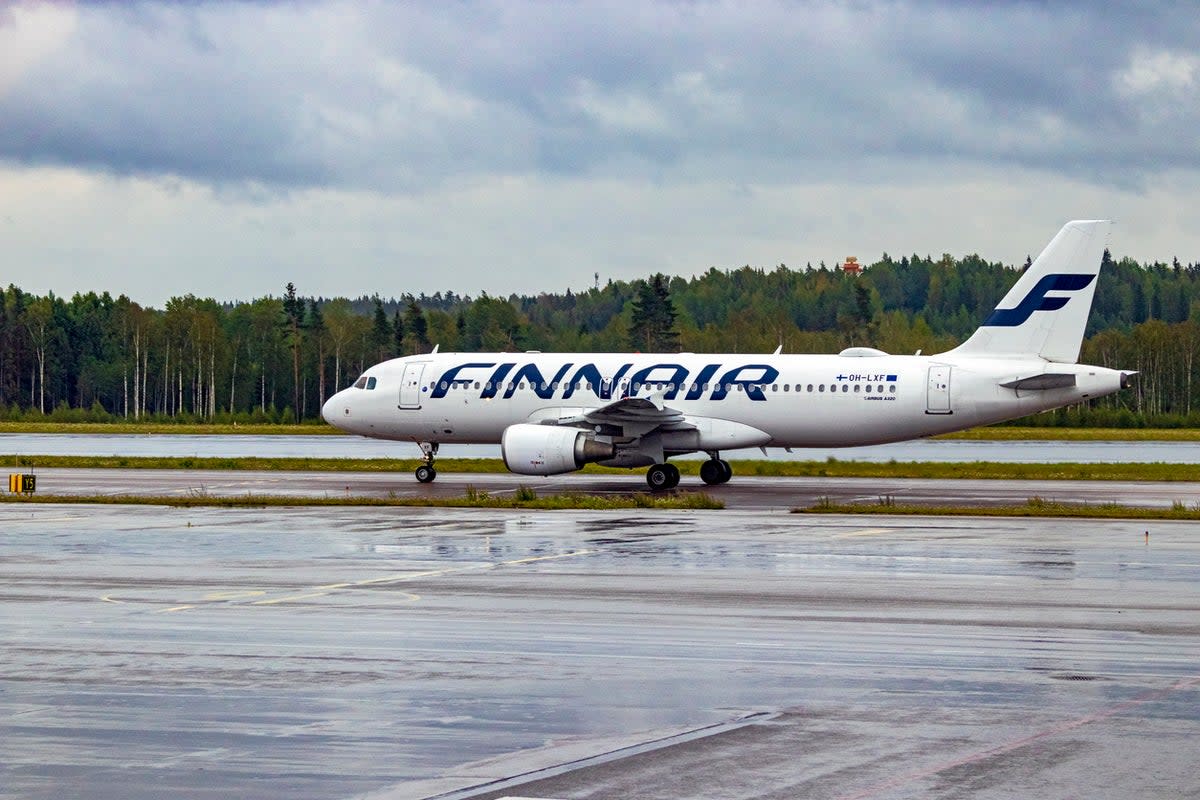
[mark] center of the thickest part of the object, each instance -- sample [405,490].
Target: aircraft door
[938,395]
[410,384]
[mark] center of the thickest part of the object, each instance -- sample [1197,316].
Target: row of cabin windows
[868,388]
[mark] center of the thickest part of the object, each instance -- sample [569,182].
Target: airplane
[553,413]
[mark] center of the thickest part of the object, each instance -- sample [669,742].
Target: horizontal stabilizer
[1048,380]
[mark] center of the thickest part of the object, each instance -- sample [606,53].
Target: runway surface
[334,446]
[414,653]
[743,492]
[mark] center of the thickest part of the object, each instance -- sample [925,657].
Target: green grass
[1034,507]
[524,498]
[1006,433]
[254,429]
[982,470]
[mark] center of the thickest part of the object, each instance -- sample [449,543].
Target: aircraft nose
[331,410]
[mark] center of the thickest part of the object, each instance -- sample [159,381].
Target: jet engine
[550,449]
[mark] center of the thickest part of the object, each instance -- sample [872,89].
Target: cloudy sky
[223,149]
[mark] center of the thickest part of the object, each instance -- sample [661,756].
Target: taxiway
[416,653]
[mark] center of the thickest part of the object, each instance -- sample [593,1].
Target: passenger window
[810,388]
[821,388]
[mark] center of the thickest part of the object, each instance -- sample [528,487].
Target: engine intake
[549,449]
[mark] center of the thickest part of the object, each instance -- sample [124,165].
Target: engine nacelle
[550,449]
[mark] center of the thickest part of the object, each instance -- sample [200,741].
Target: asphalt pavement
[416,653]
[746,492]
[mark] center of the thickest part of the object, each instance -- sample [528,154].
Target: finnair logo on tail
[1036,300]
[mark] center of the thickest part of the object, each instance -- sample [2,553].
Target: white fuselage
[729,401]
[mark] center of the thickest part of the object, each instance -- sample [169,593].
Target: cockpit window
[370,383]
[361,383]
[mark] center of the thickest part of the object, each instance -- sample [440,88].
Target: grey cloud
[404,97]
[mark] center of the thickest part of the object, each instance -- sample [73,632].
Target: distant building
[852,267]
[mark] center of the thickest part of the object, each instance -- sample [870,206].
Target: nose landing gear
[426,473]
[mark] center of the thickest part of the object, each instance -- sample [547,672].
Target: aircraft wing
[635,416]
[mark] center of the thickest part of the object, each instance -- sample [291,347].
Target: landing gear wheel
[673,473]
[426,473]
[715,471]
[662,476]
[711,472]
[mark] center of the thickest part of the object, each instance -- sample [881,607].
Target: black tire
[727,470]
[712,473]
[426,473]
[659,477]
[673,474]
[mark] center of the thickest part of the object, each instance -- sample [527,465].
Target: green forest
[95,357]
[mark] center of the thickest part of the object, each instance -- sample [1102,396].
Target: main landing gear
[426,473]
[715,471]
[666,476]
[663,476]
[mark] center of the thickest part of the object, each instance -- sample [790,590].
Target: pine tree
[381,332]
[293,312]
[318,334]
[416,326]
[652,321]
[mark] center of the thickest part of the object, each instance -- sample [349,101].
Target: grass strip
[523,498]
[1007,433]
[1034,507]
[980,470]
[190,429]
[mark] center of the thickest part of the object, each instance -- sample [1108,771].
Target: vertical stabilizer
[1045,313]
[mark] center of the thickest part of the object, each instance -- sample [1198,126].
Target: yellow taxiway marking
[240,595]
[289,598]
[863,532]
[329,588]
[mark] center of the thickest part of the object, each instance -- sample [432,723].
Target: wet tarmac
[411,653]
[335,446]
[743,492]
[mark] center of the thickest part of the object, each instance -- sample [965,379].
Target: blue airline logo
[1037,300]
[712,379]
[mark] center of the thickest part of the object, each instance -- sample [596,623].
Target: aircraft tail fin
[1045,313]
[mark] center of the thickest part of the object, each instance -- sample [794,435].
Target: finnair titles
[553,413]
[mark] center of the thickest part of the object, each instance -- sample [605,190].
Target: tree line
[94,356]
